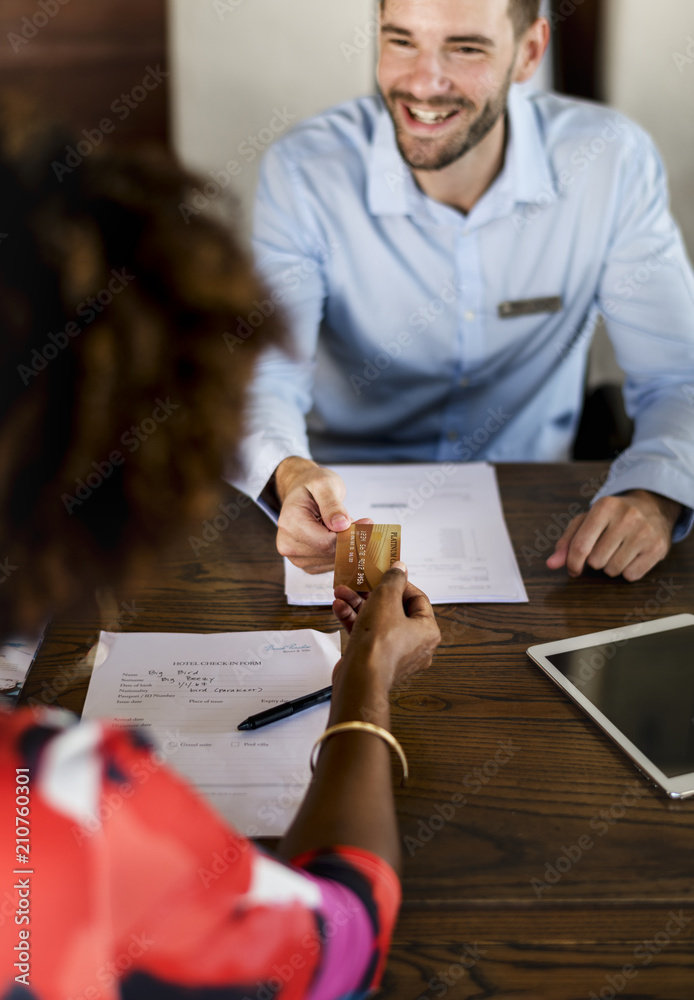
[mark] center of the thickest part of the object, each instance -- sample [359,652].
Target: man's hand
[312,511]
[392,630]
[625,534]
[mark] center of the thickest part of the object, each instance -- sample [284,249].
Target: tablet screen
[645,686]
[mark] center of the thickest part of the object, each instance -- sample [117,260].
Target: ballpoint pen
[286,709]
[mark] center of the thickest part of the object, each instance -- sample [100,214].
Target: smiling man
[443,251]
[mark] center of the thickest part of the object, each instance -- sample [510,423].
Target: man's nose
[427,77]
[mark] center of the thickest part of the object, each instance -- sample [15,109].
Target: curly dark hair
[121,404]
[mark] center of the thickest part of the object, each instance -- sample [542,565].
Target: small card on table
[364,553]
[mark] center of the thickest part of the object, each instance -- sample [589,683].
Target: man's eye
[401,43]
[466,50]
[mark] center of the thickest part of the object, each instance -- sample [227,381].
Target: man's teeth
[429,117]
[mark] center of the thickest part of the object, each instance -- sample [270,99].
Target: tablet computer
[637,683]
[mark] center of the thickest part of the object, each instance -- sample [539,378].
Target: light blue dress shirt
[400,349]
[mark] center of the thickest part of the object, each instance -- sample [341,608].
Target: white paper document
[188,693]
[16,657]
[454,537]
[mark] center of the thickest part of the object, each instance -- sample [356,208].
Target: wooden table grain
[538,861]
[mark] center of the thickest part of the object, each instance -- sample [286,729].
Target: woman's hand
[392,630]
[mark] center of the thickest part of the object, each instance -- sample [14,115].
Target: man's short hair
[522,13]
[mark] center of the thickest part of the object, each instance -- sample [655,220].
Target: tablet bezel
[678,787]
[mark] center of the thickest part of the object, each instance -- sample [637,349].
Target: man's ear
[531,49]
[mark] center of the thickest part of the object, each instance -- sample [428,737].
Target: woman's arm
[350,802]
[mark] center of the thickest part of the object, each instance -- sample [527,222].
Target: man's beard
[426,154]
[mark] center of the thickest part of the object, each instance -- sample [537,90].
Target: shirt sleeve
[173,898]
[290,254]
[647,297]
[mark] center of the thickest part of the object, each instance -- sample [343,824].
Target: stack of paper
[454,537]
[16,656]
[189,692]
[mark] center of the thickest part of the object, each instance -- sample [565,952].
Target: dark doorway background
[577,35]
[82,55]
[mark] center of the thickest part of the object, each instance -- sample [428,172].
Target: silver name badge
[528,307]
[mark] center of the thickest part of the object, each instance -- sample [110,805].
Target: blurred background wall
[243,71]
[236,62]
[648,67]
[641,71]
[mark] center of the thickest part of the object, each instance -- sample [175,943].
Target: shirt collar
[390,184]
[526,176]
[526,157]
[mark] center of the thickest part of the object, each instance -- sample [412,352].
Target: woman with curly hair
[113,314]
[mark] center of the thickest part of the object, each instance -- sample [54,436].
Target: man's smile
[431,120]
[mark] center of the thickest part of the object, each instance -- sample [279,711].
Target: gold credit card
[364,552]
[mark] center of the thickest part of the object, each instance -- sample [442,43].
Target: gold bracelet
[365,727]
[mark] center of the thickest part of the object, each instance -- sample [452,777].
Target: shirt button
[452,435]
[469,315]
[464,382]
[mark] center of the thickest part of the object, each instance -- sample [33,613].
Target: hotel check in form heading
[188,693]
[454,537]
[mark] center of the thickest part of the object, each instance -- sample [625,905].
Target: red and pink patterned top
[125,884]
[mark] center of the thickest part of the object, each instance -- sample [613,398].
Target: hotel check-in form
[454,537]
[188,693]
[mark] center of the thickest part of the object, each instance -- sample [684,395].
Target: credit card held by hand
[364,552]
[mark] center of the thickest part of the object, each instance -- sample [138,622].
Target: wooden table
[483,914]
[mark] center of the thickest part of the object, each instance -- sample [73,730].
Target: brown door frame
[577,34]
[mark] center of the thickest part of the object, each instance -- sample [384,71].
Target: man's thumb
[339,521]
[333,514]
[329,494]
